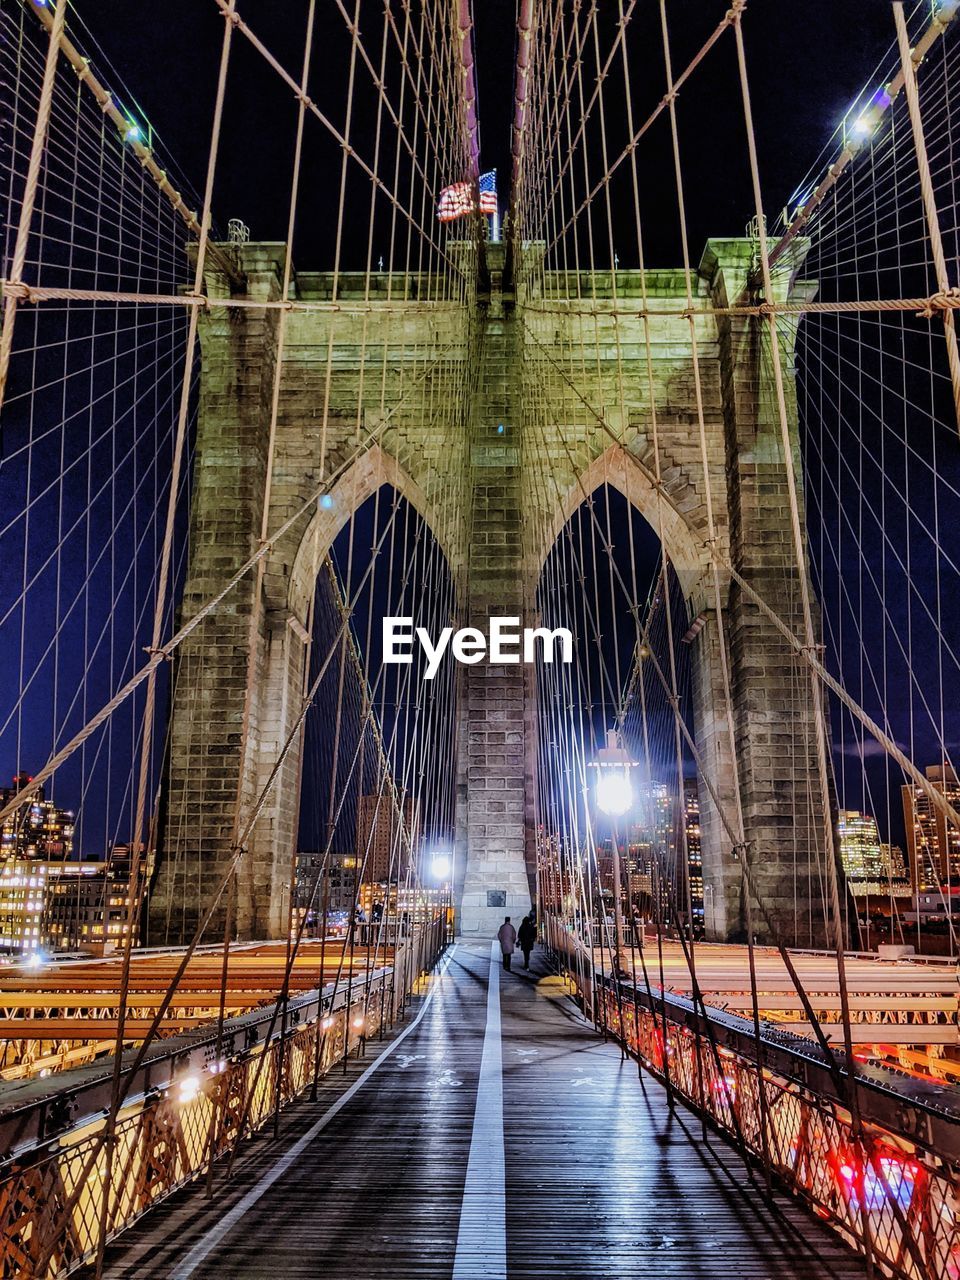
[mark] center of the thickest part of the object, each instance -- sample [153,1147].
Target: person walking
[358,923]
[527,936]
[507,937]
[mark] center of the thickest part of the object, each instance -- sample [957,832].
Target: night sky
[807,64]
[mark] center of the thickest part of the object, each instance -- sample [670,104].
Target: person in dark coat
[507,937]
[527,936]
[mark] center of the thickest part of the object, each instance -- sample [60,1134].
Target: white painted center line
[482,1238]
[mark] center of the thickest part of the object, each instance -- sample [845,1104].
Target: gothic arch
[373,469]
[677,518]
[285,643]
[630,477]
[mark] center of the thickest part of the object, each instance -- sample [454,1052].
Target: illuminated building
[48,899]
[87,906]
[933,846]
[57,906]
[860,849]
[898,863]
[23,900]
[37,830]
[652,843]
[691,820]
[871,867]
[336,883]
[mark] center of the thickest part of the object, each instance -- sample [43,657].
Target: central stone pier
[494,799]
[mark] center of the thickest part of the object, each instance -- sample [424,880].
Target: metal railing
[190,1107]
[886,1178]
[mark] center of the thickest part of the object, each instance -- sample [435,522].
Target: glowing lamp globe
[614,792]
[189,1088]
[441,866]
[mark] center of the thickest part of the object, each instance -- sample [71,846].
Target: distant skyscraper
[37,830]
[898,863]
[860,848]
[933,845]
[651,838]
[655,837]
[871,867]
[382,848]
[691,821]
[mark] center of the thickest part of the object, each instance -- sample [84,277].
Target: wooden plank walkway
[600,1179]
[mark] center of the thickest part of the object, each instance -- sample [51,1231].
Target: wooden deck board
[601,1178]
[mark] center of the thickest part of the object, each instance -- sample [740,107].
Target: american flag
[488,192]
[455,201]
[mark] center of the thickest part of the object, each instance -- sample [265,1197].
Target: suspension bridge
[255,859]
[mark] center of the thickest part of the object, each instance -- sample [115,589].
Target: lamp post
[441,868]
[614,797]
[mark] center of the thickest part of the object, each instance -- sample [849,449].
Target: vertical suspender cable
[929,200]
[15,278]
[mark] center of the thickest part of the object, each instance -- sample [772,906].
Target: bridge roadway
[904,1012]
[495,1135]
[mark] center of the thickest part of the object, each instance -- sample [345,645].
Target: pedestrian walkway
[497,1137]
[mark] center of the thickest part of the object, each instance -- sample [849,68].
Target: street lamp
[614,796]
[614,792]
[441,867]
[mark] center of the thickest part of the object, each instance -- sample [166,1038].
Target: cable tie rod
[157,653]
[19,291]
[945,300]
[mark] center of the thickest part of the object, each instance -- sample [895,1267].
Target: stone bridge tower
[495,501]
